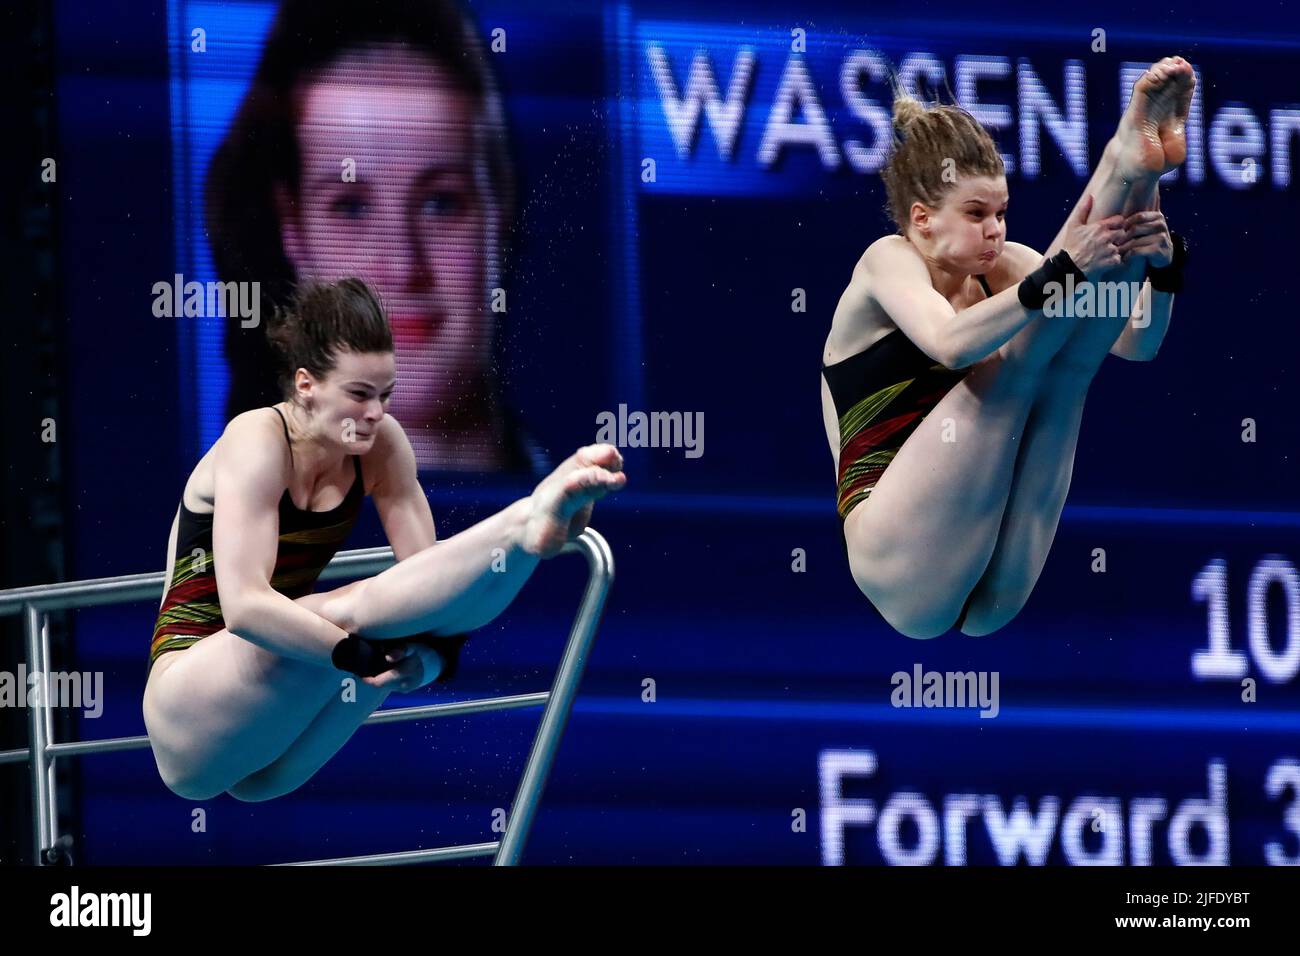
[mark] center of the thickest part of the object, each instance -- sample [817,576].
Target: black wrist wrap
[1032,290]
[1170,278]
[357,655]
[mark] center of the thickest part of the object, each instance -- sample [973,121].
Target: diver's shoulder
[886,257]
[252,425]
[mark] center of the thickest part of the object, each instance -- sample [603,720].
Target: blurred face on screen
[394,189]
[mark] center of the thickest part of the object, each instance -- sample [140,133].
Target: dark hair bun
[322,319]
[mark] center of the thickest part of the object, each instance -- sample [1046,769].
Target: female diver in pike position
[244,692]
[951,402]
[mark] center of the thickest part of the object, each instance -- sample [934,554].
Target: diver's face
[394,190]
[969,231]
[351,401]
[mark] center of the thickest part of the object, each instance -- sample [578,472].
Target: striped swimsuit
[881,395]
[308,542]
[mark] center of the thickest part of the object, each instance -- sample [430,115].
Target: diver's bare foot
[1151,136]
[562,503]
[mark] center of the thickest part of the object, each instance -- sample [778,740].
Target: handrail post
[40,762]
[52,791]
[600,562]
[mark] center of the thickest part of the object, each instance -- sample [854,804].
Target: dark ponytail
[324,318]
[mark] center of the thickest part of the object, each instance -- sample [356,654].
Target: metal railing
[34,603]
